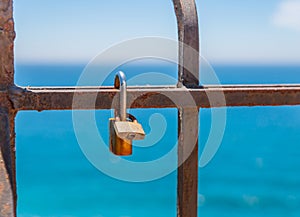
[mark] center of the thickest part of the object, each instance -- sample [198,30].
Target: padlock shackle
[131,117]
[121,84]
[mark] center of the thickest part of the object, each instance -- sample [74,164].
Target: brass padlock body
[118,146]
[129,130]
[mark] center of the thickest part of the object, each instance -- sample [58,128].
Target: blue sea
[256,171]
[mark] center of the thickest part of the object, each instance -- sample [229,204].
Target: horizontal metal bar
[66,98]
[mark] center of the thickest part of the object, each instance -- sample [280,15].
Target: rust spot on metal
[1,188]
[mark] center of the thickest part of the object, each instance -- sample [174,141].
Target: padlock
[124,127]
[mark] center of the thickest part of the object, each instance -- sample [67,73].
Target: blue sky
[232,32]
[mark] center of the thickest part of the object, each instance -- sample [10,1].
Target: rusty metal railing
[14,99]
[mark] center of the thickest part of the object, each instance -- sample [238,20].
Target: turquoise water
[254,173]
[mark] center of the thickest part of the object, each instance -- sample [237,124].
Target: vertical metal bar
[187,192]
[7,36]
[7,113]
[6,181]
[12,115]
[188,76]
[188,36]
